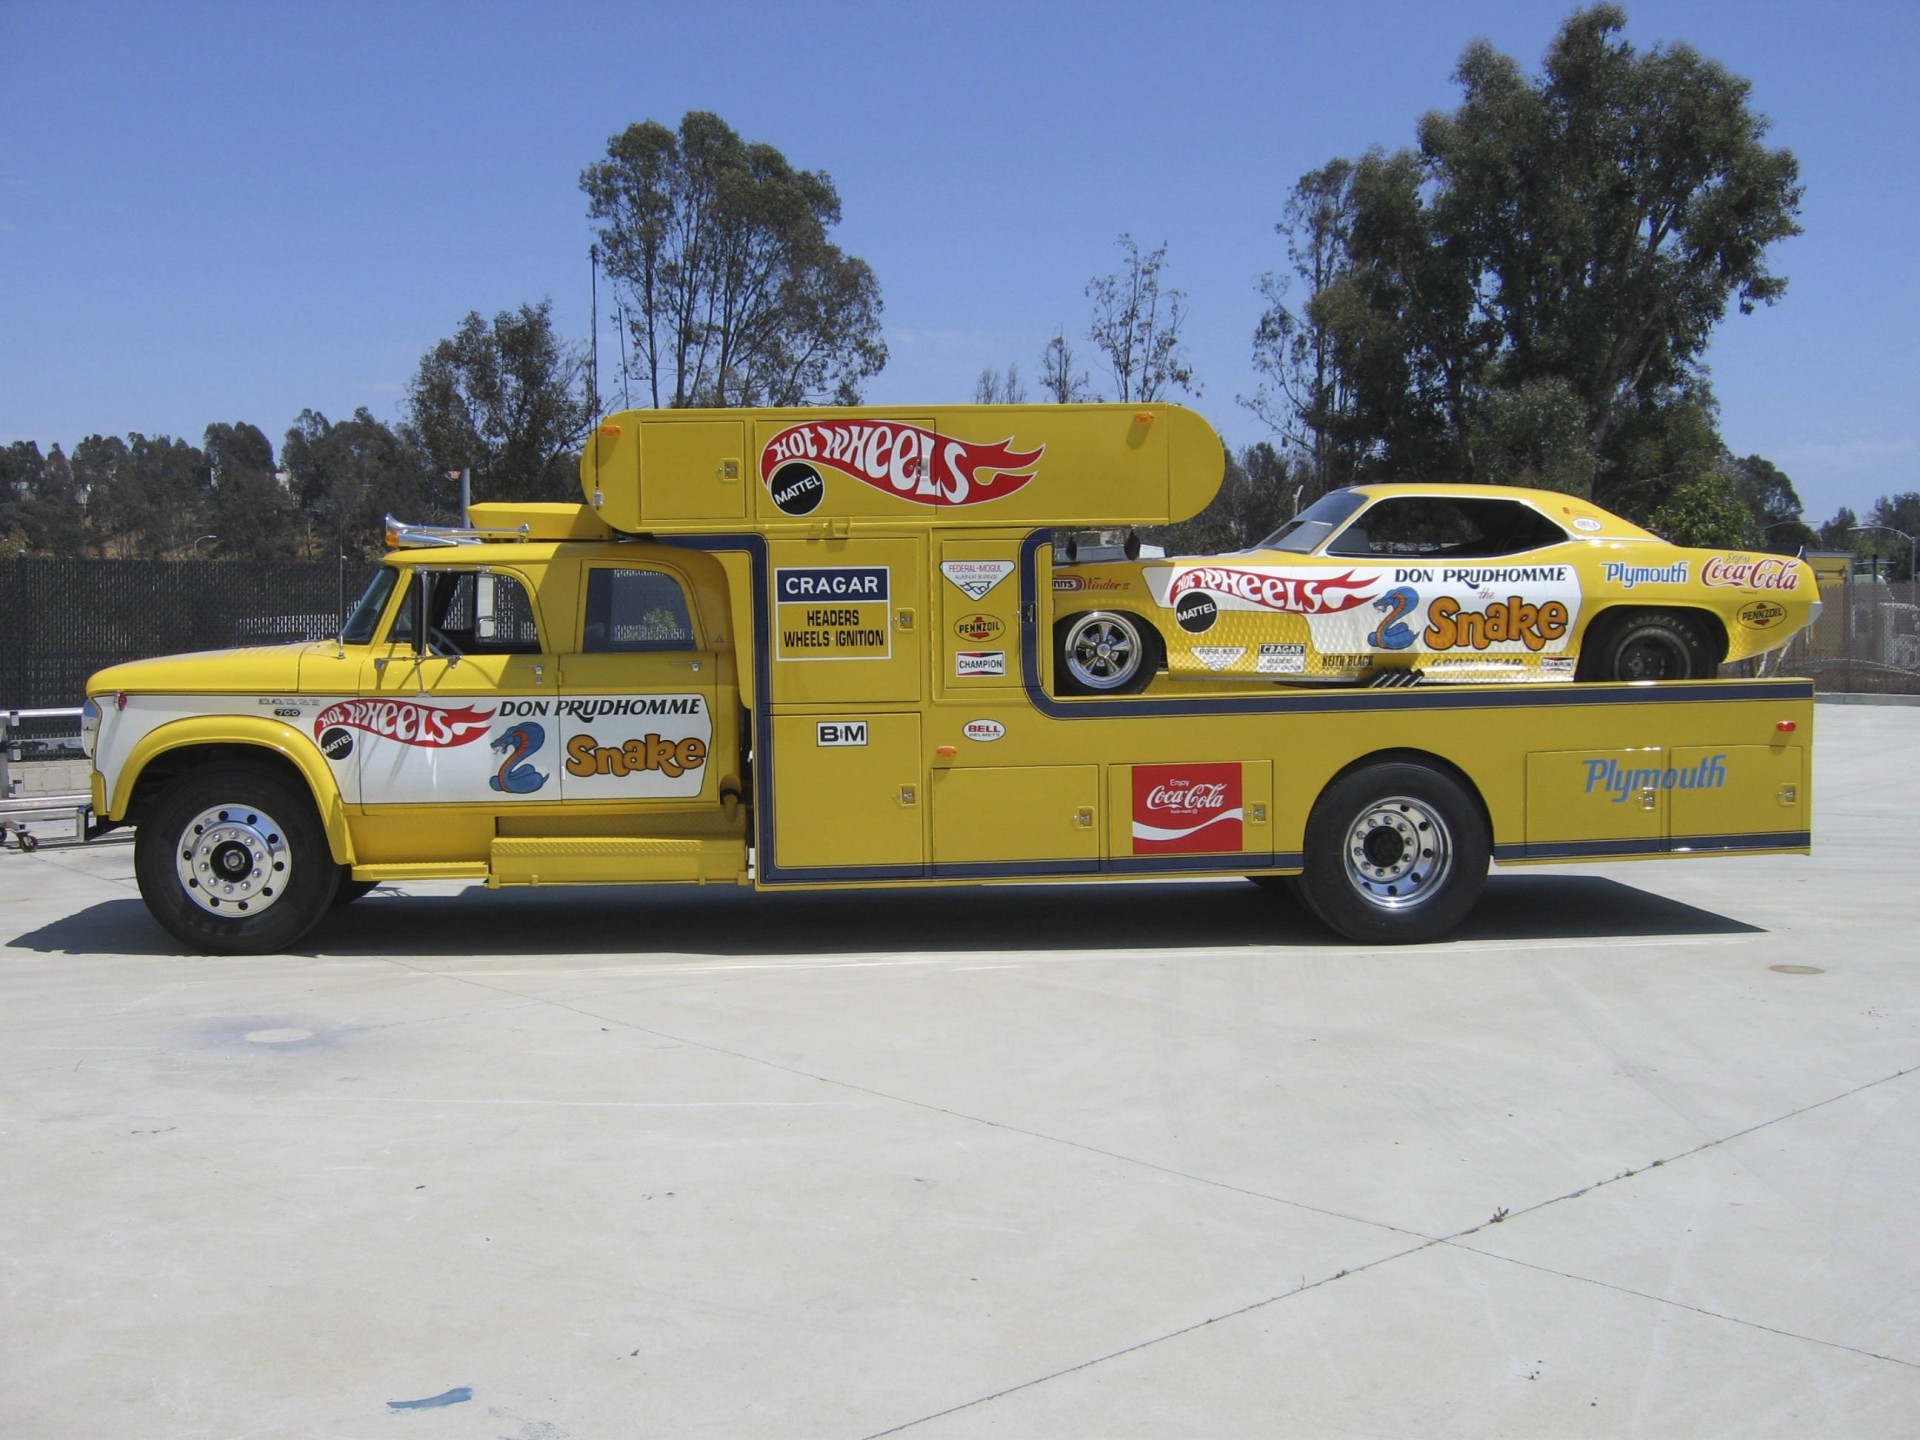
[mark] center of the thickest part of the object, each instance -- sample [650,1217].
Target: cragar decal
[905,461]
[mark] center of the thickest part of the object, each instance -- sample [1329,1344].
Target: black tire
[1104,652]
[350,889]
[232,861]
[1634,645]
[1396,853]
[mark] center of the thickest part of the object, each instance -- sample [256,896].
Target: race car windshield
[1307,530]
[366,613]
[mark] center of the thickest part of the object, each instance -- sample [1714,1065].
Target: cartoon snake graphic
[514,745]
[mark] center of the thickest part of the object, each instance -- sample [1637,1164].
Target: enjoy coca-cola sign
[1771,572]
[1186,809]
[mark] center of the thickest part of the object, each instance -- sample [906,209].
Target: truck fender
[244,732]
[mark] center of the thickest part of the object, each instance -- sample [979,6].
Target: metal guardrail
[19,813]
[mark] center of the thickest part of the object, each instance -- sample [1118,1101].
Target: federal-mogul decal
[1301,592]
[833,612]
[905,461]
[1617,572]
[1218,657]
[1186,809]
[1617,781]
[974,578]
[1771,572]
[433,727]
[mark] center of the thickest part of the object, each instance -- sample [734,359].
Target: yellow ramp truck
[815,649]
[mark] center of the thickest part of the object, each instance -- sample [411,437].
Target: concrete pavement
[1140,1160]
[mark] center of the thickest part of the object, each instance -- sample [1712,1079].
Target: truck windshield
[1313,525]
[366,613]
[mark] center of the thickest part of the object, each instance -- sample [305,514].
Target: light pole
[1913,546]
[195,552]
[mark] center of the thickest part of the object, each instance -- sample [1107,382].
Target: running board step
[593,859]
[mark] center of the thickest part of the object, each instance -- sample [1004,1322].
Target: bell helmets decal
[985,731]
[905,461]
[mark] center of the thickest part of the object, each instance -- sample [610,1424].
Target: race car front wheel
[1104,652]
[232,861]
[1647,645]
[1396,852]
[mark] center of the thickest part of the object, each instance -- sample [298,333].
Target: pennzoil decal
[905,461]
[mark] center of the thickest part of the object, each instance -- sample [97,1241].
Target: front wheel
[1396,853]
[1104,652]
[232,861]
[1647,645]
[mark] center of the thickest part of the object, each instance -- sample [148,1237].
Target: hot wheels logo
[1770,573]
[1302,594]
[1186,809]
[903,460]
[407,721]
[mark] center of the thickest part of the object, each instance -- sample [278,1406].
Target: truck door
[635,720]
[448,725]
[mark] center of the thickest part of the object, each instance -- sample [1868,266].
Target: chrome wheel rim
[1103,651]
[1398,853]
[233,861]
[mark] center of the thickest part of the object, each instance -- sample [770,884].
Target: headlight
[89,727]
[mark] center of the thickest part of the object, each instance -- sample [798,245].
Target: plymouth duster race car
[1397,584]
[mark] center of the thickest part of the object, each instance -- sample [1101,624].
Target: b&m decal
[1186,809]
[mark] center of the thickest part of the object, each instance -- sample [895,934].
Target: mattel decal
[1186,809]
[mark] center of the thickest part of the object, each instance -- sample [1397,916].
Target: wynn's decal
[434,727]
[1186,809]
[905,461]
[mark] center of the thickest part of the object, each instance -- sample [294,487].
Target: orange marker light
[610,430]
[947,752]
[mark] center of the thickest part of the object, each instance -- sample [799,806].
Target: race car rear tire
[1396,853]
[1634,645]
[1104,652]
[231,860]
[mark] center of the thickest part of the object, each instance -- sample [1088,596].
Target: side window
[633,609]
[473,612]
[1416,527]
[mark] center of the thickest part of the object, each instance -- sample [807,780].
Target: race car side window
[634,609]
[1444,528]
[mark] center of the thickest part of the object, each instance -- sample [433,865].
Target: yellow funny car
[1406,584]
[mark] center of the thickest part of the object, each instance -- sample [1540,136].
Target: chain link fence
[1866,641]
[61,620]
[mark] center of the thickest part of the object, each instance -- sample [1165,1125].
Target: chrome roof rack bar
[402,536]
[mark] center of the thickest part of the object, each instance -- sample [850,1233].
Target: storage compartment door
[1609,801]
[846,797]
[1017,817]
[692,470]
[1722,797]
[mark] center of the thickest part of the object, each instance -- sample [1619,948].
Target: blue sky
[236,211]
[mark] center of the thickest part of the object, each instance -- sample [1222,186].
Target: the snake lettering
[513,746]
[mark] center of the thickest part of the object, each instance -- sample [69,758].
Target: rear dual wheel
[1396,853]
